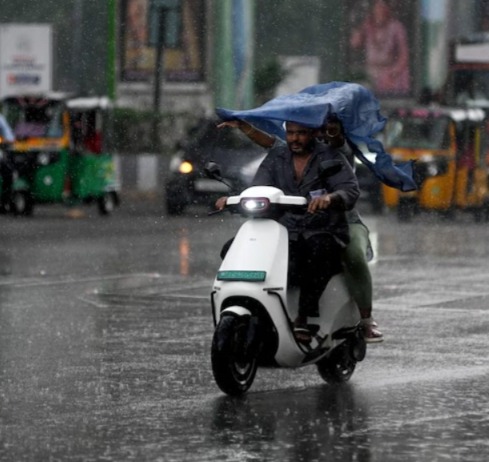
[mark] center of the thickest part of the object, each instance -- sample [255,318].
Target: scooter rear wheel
[338,367]
[233,366]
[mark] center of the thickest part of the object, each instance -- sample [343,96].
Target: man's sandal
[302,334]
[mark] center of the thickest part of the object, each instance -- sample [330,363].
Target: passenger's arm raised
[259,137]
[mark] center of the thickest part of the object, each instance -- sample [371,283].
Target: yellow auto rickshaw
[449,146]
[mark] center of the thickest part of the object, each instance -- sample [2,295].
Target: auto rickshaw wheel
[22,203]
[107,203]
[481,214]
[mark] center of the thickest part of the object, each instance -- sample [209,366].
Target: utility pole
[76,69]
[164,19]
[111,24]
[159,69]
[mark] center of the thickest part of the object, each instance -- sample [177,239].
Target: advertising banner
[183,62]
[26,56]
[381,45]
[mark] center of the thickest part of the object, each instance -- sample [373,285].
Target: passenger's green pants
[357,272]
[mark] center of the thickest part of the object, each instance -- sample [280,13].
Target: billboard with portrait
[183,63]
[381,45]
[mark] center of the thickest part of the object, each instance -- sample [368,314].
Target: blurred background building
[237,53]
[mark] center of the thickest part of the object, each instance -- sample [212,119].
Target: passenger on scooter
[316,238]
[355,262]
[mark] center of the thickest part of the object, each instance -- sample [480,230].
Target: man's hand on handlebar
[319,203]
[221,203]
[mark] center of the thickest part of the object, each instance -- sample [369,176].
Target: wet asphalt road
[105,333]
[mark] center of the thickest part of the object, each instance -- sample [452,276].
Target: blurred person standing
[384,40]
[6,168]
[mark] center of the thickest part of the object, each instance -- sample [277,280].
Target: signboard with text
[26,57]
[381,47]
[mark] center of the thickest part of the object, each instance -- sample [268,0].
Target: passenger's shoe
[372,335]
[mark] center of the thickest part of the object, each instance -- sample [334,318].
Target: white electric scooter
[253,307]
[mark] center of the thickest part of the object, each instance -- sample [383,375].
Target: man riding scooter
[317,237]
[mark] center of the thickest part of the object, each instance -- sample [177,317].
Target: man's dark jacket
[277,169]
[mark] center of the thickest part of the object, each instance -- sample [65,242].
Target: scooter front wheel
[337,367]
[233,364]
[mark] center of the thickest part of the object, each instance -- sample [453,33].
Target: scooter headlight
[255,204]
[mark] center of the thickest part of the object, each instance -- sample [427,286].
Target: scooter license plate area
[249,276]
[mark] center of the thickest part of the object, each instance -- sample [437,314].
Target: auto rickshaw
[60,152]
[451,170]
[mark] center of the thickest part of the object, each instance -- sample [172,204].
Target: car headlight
[178,165]
[185,167]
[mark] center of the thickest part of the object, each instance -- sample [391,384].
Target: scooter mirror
[213,170]
[329,167]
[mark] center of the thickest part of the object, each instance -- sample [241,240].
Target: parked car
[187,183]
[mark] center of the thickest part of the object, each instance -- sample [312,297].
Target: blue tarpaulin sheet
[354,105]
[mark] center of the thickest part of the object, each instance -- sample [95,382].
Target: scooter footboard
[336,305]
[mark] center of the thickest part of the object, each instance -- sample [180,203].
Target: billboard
[381,45]
[182,63]
[26,58]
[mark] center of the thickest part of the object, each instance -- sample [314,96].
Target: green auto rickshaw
[60,152]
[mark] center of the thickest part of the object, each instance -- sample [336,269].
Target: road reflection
[184,252]
[323,423]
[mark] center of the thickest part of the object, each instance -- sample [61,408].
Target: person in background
[355,255]
[384,39]
[6,168]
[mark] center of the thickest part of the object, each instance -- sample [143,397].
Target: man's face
[300,139]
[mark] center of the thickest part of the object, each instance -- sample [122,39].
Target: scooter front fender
[236,311]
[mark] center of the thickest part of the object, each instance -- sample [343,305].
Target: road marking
[60,280]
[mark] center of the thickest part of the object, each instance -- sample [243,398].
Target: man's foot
[371,333]
[301,332]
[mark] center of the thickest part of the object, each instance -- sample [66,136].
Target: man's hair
[300,125]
